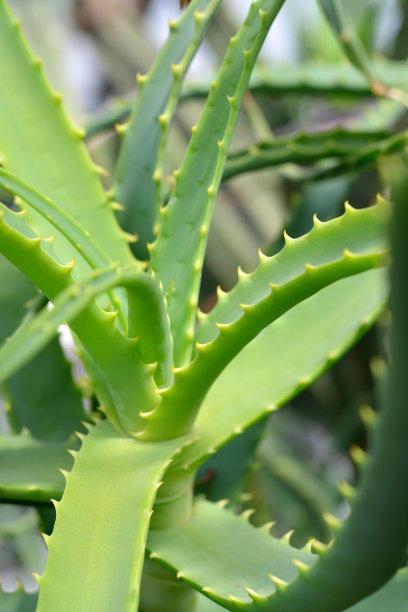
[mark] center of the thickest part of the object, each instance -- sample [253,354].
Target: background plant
[165,393]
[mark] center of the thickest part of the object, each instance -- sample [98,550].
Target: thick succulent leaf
[42,397]
[317,79]
[275,366]
[140,164]
[38,144]
[178,253]
[301,148]
[72,305]
[81,240]
[371,543]
[19,601]
[348,245]
[104,515]
[392,597]
[29,468]
[216,566]
[207,553]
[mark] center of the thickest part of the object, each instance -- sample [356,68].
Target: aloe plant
[168,385]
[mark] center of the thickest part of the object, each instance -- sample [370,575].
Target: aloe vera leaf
[148,318]
[371,544]
[38,144]
[258,381]
[348,245]
[242,582]
[315,79]
[34,397]
[352,150]
[207,552]
[178,252]
[19,601]
[29,468]
[125,475]
[393,596]
[138,179]
[81,240]
[123,378]
[73,305]
[364,158]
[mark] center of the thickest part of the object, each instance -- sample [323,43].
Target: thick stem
[161,591]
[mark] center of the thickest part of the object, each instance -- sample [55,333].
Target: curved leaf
[38,144]
[42,397]
[207,553]
[178,252]
[349,245]
[275,367]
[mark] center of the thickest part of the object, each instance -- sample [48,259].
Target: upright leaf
[140,166]
[178,253]
[104,517]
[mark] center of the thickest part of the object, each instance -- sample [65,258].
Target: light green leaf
[104,515]
[140,164]
[348,245]
[178,253]
[42,397]
[275,367]
[129,381]
[38,144]
[222,555]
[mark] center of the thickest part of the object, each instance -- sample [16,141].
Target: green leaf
[38,144]
[104,515]
[314,79]
[301,148]
[19,601]
[42,397]
[178,252]
[275,367]
[392,597]
[128,379]
[207,553]
[348,245]
[29,468]
[140,164]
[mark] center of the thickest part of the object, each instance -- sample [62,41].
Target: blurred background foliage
[312,135]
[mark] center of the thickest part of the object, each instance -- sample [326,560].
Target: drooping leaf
[140,164]
[104,515]
[178,252]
